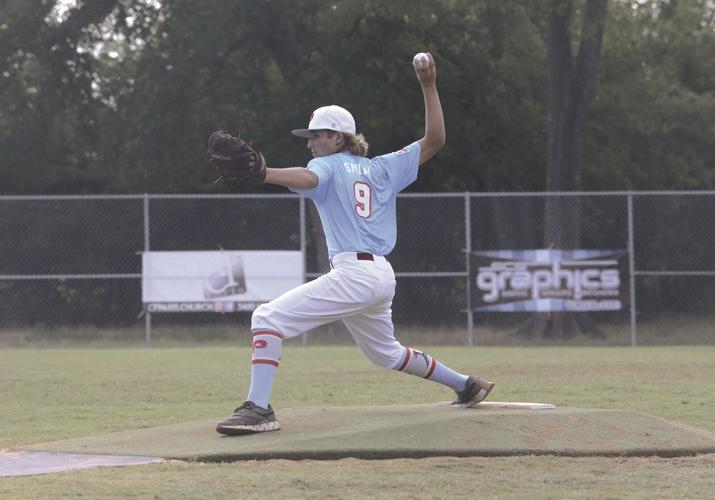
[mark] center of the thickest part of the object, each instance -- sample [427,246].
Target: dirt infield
[409,431]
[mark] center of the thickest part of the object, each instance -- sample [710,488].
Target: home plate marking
[27,463]
[503,404]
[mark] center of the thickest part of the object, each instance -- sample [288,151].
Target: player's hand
[425,68]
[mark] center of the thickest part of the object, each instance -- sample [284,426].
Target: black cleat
[475,392]
[249,419]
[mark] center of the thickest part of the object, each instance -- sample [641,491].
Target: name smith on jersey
[355,168]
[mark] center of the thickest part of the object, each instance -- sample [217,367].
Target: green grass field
[52,394]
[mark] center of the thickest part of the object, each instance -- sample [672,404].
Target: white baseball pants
[358,292]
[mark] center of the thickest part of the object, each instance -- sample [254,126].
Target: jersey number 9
[362,192]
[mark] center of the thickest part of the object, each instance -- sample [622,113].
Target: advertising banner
[549,280]
[217,281]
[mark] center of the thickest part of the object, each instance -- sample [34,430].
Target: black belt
[364,256]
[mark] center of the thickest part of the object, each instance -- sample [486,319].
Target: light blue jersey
[356,198]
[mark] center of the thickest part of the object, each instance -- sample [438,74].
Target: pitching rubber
[502,404]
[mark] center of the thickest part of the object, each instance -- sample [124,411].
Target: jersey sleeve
[402,166]
[324,172]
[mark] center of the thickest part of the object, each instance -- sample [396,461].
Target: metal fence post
[468,256]
[632,270]
[147,314]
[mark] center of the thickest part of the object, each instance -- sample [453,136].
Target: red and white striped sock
[423,365]
[267,347]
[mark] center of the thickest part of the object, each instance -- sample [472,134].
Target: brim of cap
[302,132]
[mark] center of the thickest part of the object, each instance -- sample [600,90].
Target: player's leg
[373,332]
[316,303]
[265,358]
[256,414]
[308,306]
[470,389]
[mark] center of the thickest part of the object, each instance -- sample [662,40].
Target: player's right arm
[435,134]
[293,177]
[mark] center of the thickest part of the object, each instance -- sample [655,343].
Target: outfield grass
[433,478]
[53,394]
[665,331]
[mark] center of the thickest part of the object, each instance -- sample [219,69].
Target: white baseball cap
[328,118]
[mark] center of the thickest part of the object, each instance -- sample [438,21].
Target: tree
[651,123]
[49,136]
[572,83]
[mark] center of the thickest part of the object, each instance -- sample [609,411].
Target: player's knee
[385,358]
[261,319]
[416,363]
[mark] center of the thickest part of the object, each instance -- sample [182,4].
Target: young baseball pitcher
[356,199]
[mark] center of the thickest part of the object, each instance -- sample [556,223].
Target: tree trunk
[572,83]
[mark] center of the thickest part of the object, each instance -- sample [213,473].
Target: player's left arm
[292,177]
[435,134]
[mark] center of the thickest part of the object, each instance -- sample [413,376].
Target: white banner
[220,281]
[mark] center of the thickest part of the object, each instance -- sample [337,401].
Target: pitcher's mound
[411,431]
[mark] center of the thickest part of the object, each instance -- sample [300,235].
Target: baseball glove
[239,166]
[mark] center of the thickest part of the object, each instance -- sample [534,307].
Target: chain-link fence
[71,267]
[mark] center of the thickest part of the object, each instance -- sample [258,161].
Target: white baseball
[421,60]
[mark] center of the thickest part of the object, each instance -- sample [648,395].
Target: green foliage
[653,120]
[120,95]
